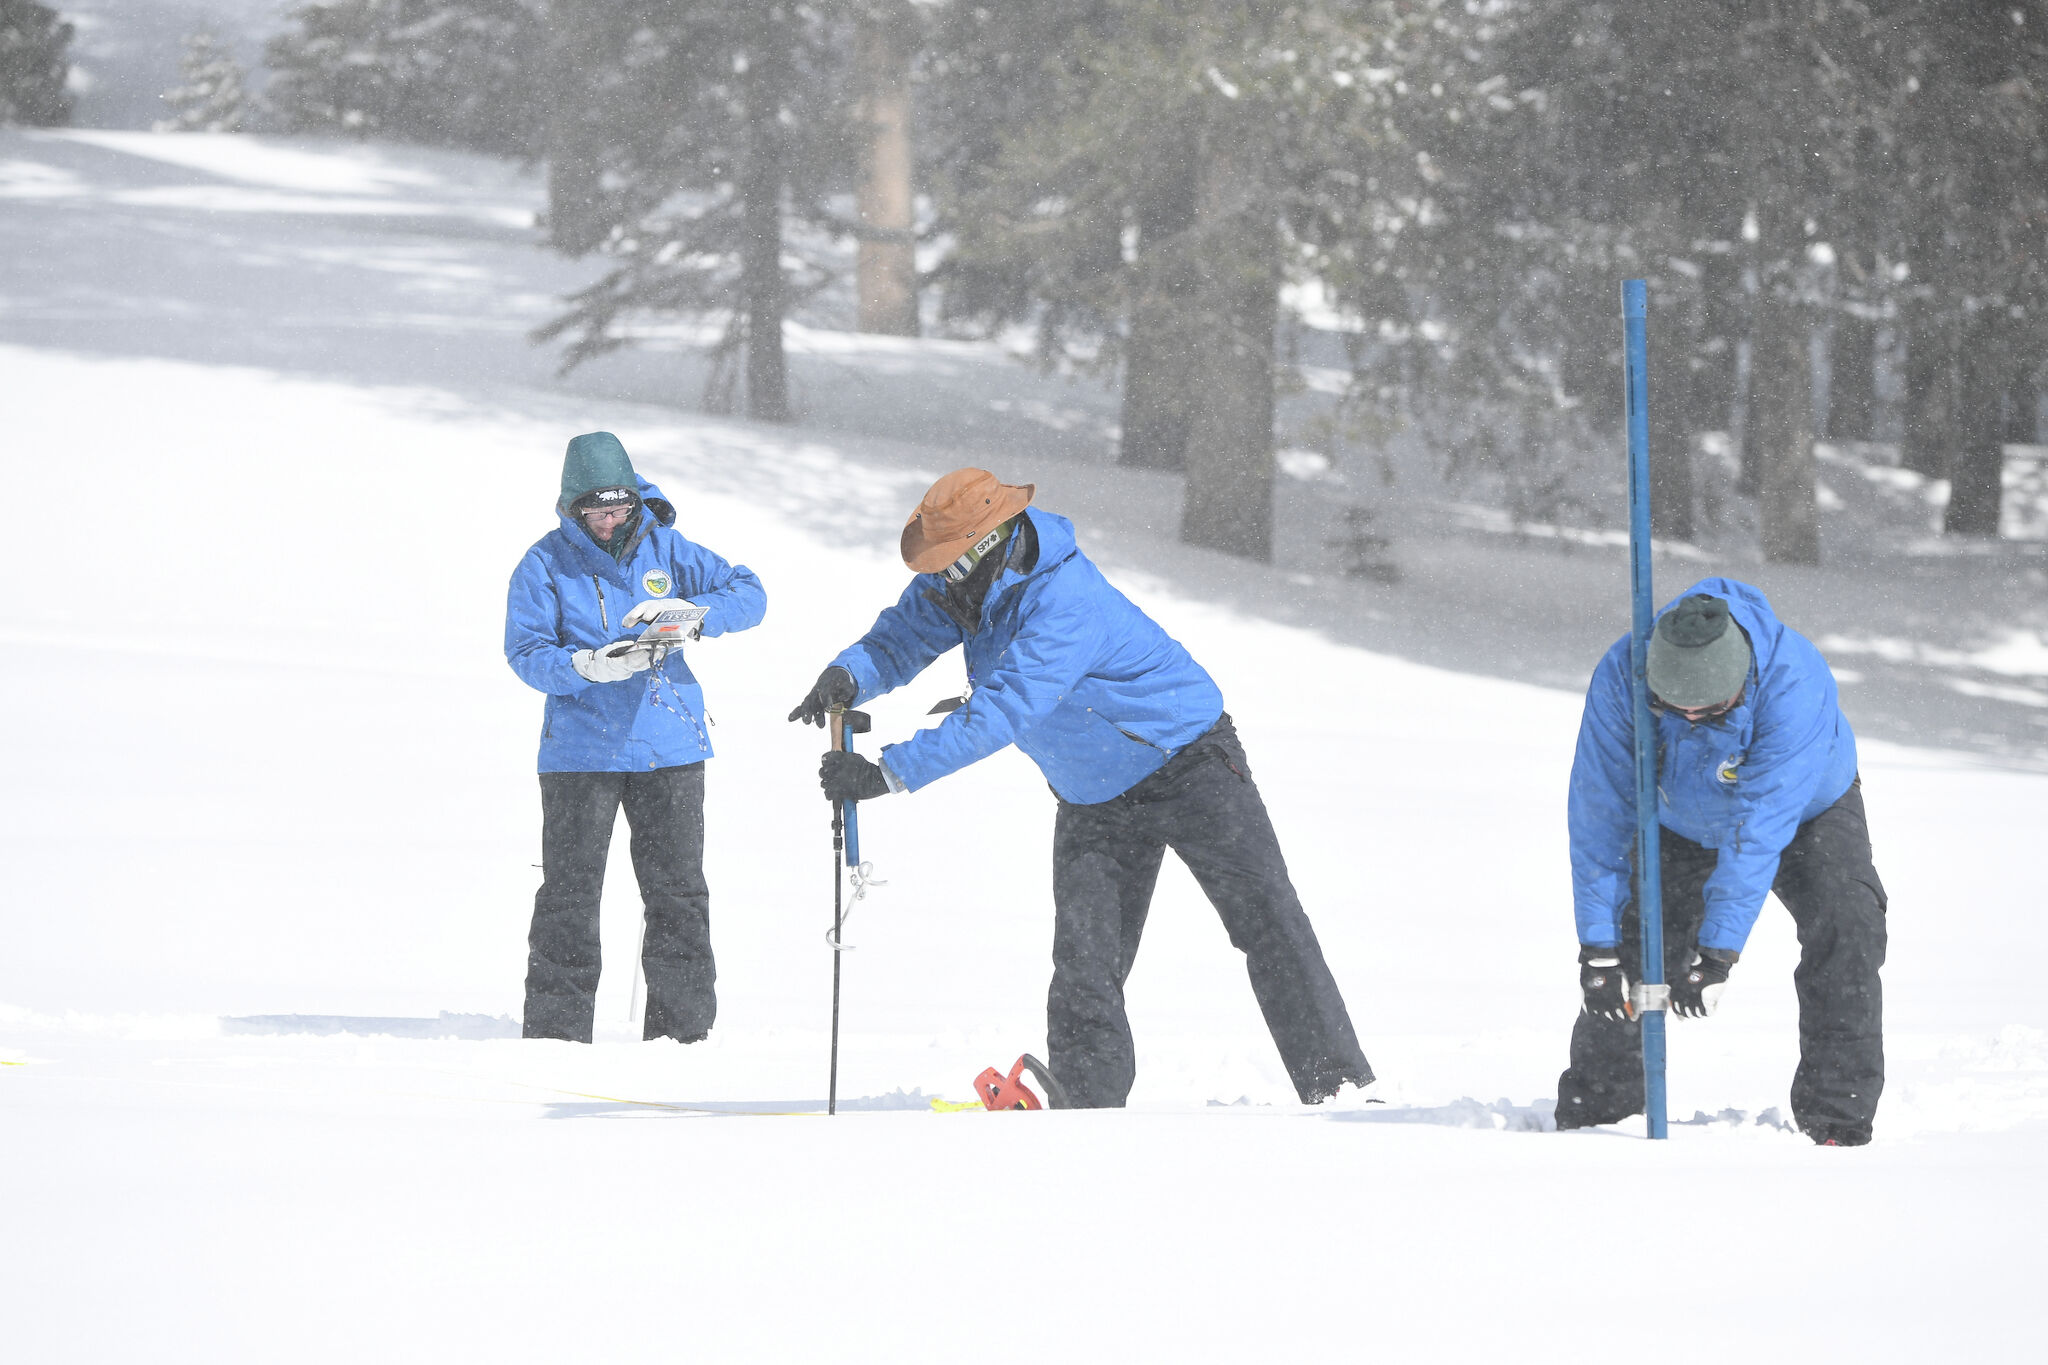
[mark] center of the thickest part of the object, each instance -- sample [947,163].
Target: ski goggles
[958,570]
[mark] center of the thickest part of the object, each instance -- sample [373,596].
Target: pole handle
[843,724]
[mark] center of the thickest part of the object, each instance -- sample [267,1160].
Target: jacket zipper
[604,617]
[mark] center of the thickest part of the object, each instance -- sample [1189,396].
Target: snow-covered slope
[265,758]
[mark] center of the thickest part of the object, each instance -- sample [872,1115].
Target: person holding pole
[621,727]
[1757,792]
[1131,735]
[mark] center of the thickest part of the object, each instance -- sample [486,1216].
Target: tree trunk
[1976,478]
[1928,444]
[2023,408]
[1713,371]
[763,296]
[885,267]
[576,226]
[1781,431]
[1159,353]
[576,219]
[1852,378]
[1750,312]
[1156,401]
[1229,498]
[1671,346]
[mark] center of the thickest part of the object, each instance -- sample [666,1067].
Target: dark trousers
[1204,806]
[1827,882]
[665,812]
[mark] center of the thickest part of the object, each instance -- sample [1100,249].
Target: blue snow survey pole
[1652,994]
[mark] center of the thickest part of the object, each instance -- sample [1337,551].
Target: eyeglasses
[613,514]
[1693,715]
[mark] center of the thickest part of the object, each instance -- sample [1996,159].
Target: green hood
[595,460]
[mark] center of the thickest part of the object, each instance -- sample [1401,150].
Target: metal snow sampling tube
[1651,994]
[843,724]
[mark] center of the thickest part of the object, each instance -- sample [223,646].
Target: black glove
[1695,994]
[834,687]
[850,777]
[1604,984]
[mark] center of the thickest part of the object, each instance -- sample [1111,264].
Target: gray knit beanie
[1698,655]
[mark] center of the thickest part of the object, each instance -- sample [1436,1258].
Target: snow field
[284,769]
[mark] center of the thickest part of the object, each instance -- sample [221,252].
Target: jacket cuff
[889,776]
[867,682]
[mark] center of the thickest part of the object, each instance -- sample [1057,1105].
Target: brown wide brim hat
[957,511]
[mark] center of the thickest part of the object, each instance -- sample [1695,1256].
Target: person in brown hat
[1131,735]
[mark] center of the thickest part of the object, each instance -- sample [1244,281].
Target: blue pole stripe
[852,815]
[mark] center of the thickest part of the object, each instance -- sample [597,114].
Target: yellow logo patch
[1727,772]
[656,583]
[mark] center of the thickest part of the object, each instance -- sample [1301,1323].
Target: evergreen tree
[454,73]
[1763,163]
[1971,181]
[1148,189]
[682,133]
[995,73]
[213,98]
[34,64]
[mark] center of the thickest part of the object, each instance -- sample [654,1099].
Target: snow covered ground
[281,441]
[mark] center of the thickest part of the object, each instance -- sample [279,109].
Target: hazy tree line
[1862,182]
[34,62]
[1782,171]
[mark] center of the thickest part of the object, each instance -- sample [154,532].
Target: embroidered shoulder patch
[1727,771]
[656,583]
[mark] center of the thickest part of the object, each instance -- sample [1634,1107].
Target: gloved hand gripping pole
[843,725]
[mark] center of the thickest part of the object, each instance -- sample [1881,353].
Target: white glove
[655,606]
[614,662]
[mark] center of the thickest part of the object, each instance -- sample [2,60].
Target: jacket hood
[1054,535]
[1056,541]
[594,460]
[657,511]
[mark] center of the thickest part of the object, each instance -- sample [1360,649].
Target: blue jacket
[1062,665]
[568,593]
[1742,785]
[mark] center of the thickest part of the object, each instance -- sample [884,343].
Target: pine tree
[684,131]
[34,64]
[996,73]
[1763,163]
[213,98]
[1967,104]
[454,73]
[1147,191]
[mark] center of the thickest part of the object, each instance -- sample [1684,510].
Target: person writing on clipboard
[595,618]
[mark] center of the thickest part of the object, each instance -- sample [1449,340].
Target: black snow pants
[1204,806]
[1827,882]
[665,812]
